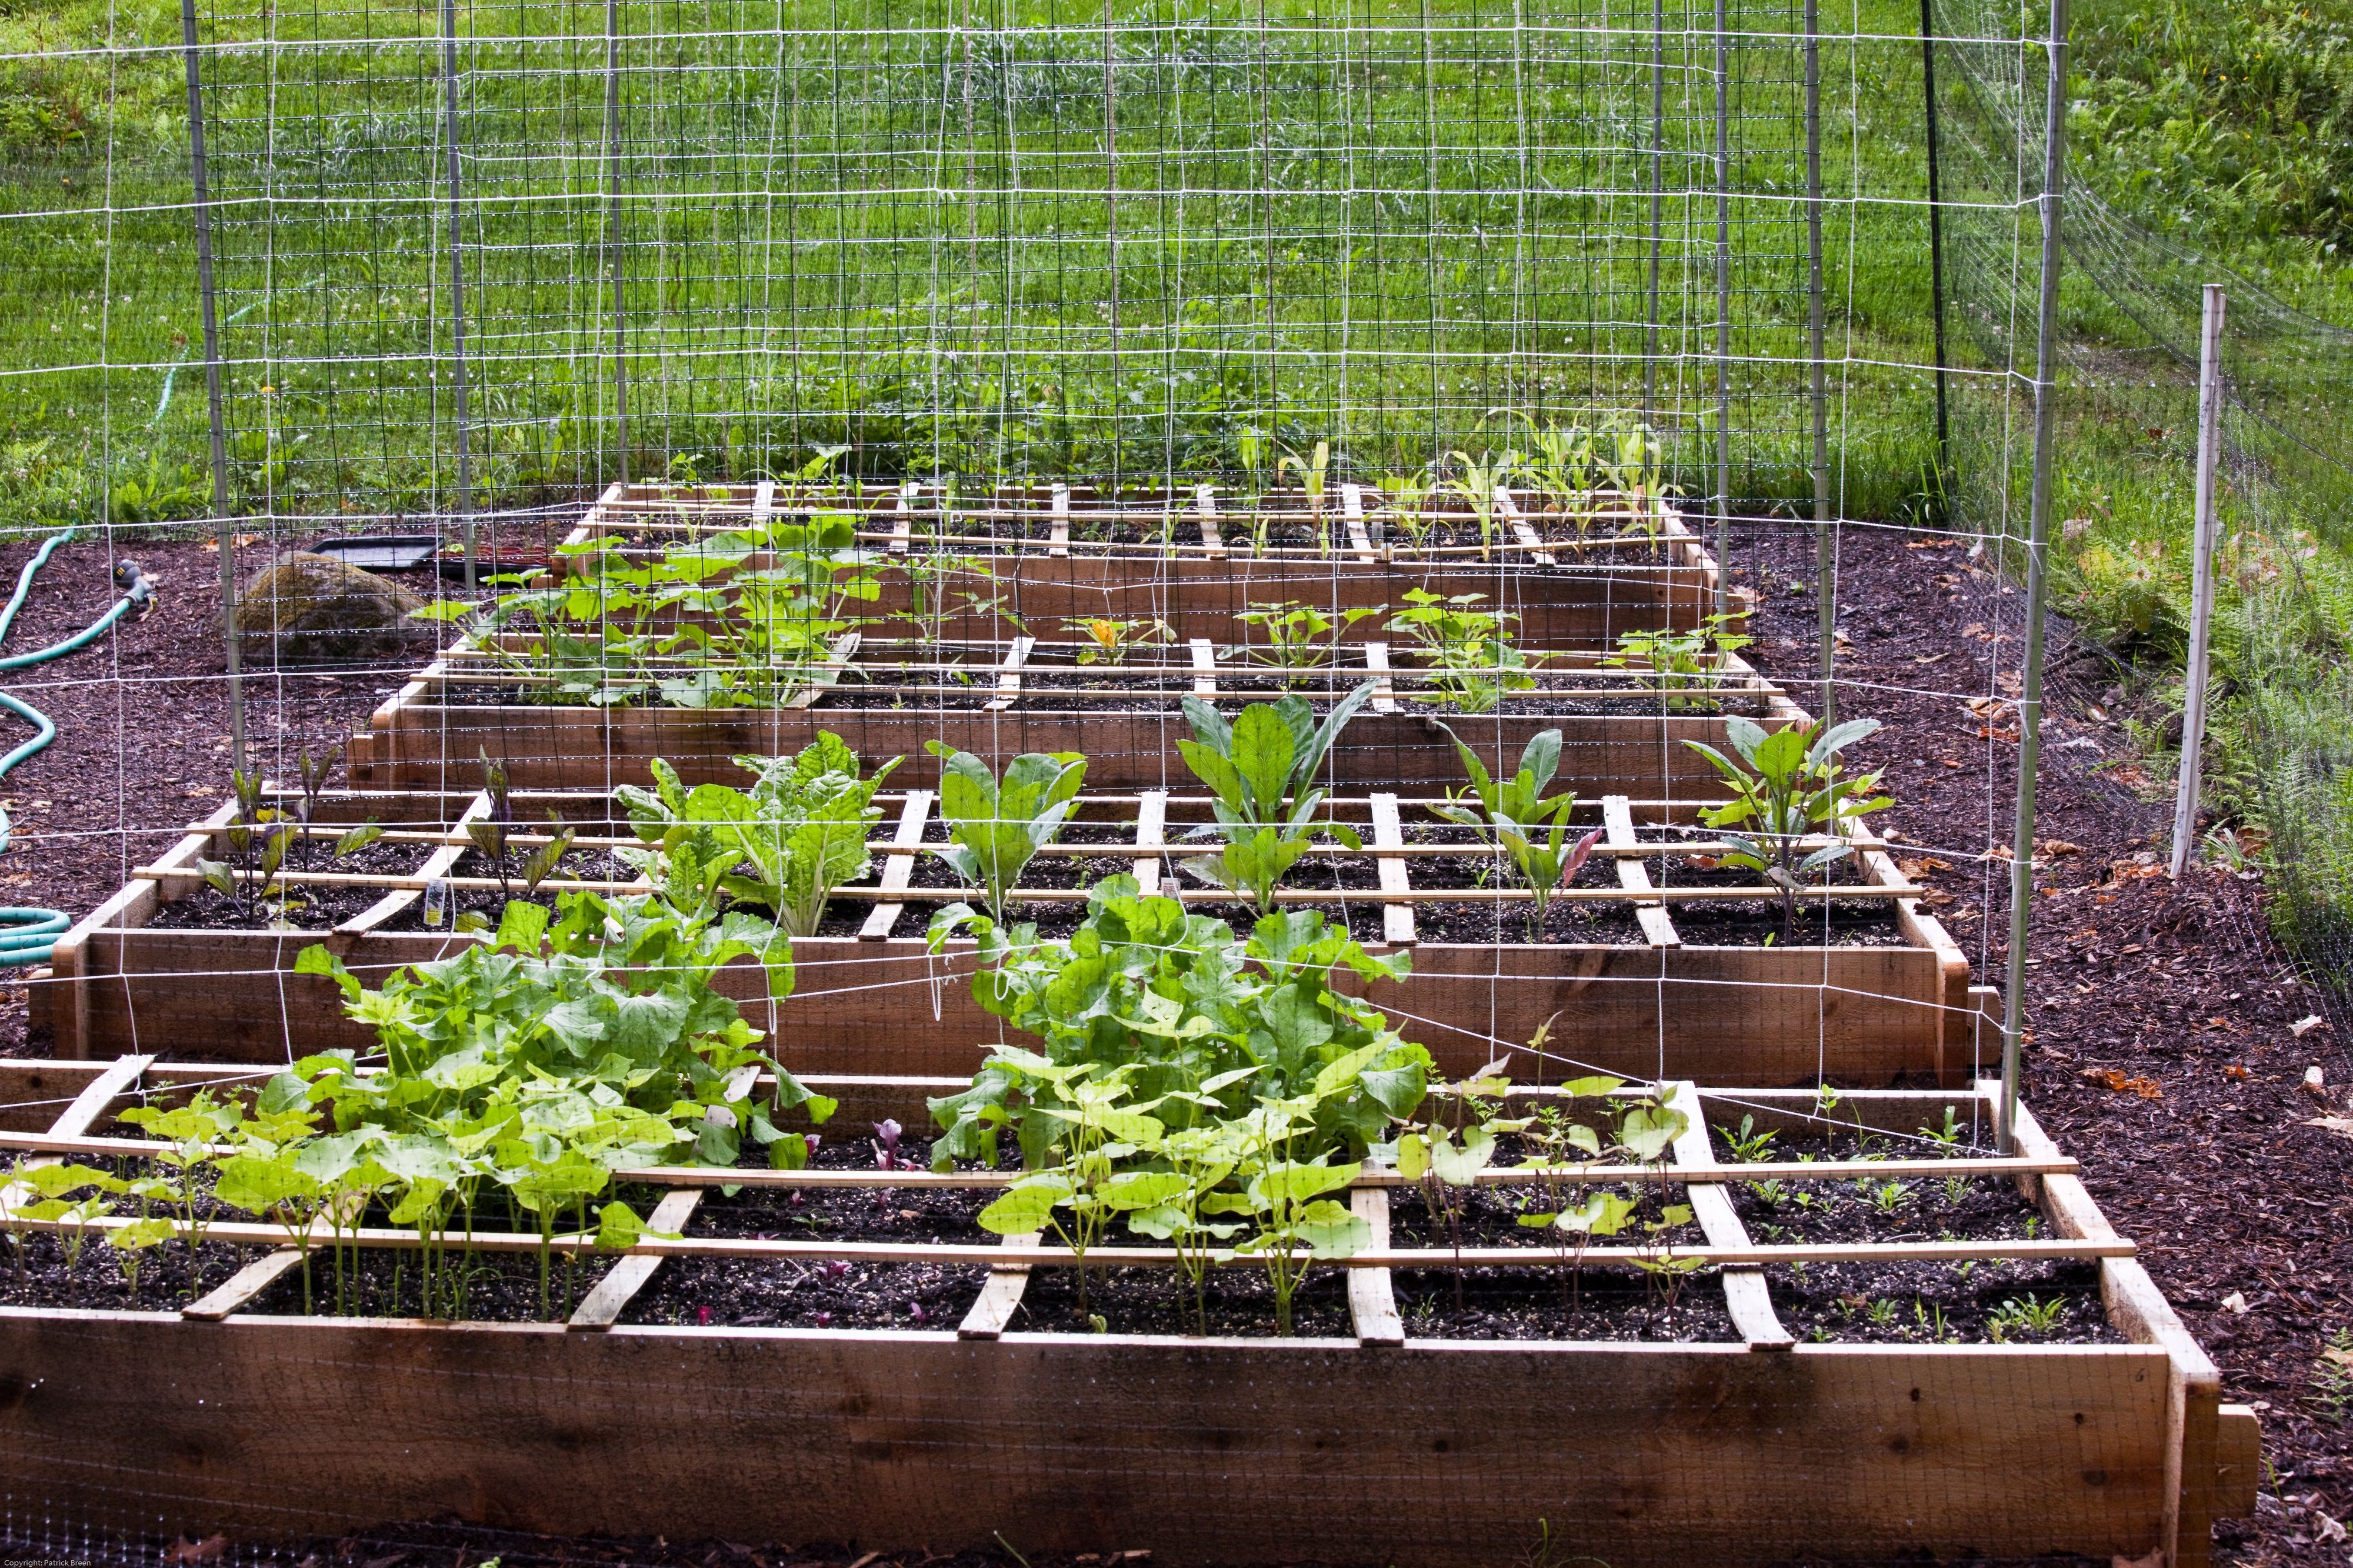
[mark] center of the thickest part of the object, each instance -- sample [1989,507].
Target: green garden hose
[26,935]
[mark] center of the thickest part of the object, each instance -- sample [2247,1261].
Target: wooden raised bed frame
[1867,1016]
[1567,596]
[418,739]
[1379,1447]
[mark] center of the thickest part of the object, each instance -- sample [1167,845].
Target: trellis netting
[1147,357]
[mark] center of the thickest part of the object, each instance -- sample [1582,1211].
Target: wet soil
[308,906]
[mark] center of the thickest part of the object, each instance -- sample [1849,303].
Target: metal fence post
[613,237]
[457,284]
[1722,314]
[226,524]
[1935,236]
[2202,592]
[2038,527]
[1825,555]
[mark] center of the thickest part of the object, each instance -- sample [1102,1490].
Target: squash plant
[1469,651]
[532,1067]
[1260,770]
[1790,788]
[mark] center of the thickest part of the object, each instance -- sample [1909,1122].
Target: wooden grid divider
[1058,540]
[1745,1295]
[1377,663]
[1372,1299]
[1529,539]
[1205,508]
[1352,512]
[897,870]
[1008,679]
[1618,824]
[764,501]
[77,1118]
[602,1306]
[233,1294]
[1205,666]
[1389,834]
[992,1311]
[903,522]
[438,864]
[1152,834]
[823,677]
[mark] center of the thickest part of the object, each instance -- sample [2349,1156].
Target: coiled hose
[27,935]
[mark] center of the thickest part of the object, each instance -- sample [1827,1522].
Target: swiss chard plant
[996,827]
[1786,788]
[786,844]
[1518,822]
[1260,771]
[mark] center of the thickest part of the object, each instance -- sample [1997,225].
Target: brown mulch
[2177,996]
[2161,1052]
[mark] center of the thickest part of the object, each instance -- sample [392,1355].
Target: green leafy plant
[1261,771]
[1478,481]
[786,844]
[1683,668]
[256,838]
[493,832]
[1406,499]
[1520,824]
[996,827]
[1472,660]
[1208,1024]
[1790,788]
[1299,637]
[1633,1123]
[1095,1128]
[2027,1314]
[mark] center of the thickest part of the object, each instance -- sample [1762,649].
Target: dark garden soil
[2161,1054]
[308,906]
[499,1287]
[1237,1302]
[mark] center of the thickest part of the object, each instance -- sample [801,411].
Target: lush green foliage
[1260,770]
[1525,827]
[786,844]
[1791,787]
[996,827]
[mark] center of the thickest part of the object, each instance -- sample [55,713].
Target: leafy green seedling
[1681,666]
[1298,636]
[1789,787]
[1469,651]
[996,827]
[1517,821]
[1261,771]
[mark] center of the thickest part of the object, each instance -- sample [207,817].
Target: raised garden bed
[1619,984]
[1621,728]
[1702,1432]
[1195,553]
